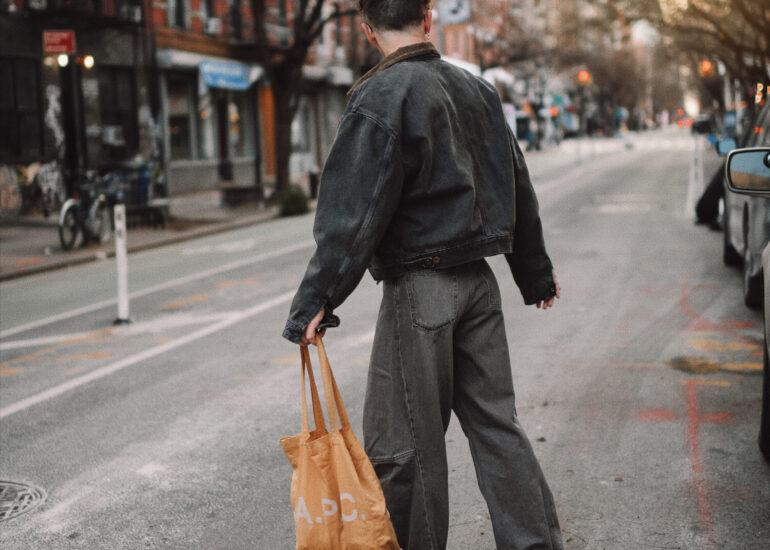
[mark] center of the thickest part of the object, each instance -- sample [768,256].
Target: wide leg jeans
[440,346]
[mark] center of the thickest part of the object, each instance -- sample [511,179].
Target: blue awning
[230,75]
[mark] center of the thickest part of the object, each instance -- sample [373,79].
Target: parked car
[746,220]
[748,174]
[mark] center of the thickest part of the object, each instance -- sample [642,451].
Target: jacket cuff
[293,332]
[539,291]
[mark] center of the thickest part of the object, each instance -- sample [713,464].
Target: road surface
[640,390]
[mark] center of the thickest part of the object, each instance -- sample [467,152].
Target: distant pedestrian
[707,207]
[424,181]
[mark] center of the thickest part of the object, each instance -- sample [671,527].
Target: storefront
[211,117]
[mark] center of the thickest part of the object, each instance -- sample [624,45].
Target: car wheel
[753,292]
[730,256]
[764,425]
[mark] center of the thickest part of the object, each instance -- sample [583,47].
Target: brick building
[216,105]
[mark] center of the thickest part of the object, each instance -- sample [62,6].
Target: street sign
[225,74]
[58,42]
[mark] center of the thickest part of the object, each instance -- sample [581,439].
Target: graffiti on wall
[53,118]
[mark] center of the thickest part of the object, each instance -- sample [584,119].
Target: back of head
[393,15]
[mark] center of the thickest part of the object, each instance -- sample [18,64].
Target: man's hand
[549,302]
[309,336]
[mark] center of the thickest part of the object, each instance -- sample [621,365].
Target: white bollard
[122,262]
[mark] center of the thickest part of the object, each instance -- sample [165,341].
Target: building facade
[75,88]
[92,84]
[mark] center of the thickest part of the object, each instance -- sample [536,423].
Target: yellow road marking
[10,370]
[198,298]
[86,356]
[703,344]
[286,359]
[76,370]
[741,366]
[93,337]
[234,283]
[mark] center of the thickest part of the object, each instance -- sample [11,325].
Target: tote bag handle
[334,404]
[318,416]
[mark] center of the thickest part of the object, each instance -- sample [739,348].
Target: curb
[101,254]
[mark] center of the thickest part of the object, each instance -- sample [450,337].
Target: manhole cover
[17,498]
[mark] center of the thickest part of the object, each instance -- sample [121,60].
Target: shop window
[20,124]
[241,124]
[179,127]
[117,109]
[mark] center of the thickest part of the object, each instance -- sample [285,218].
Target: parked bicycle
[87,216]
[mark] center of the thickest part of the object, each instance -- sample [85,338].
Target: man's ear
[369,32]
[428,20]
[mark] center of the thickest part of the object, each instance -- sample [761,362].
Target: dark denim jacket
[423,174]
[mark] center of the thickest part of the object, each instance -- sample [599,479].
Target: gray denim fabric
[440,345]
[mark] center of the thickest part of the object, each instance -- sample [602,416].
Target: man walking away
[424,181]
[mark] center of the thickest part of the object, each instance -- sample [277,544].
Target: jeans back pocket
[432,298]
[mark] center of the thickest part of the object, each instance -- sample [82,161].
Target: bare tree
[284,33]
[734,32]
[501,34]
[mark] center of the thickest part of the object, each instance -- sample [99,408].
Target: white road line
[163,286]
[141,356]
[45,341]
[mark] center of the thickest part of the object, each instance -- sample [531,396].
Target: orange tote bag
[337,499]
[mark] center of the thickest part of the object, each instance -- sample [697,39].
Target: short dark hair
[393,15]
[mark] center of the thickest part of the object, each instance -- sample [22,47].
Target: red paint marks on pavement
[705,287]
[700,323]
[693,419]
[26,262]
[737,325]
[656,415]
[716,418]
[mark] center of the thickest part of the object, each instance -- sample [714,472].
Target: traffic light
[706,68]
[584,77]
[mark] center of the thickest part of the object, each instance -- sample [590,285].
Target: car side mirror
[724,146]
[748,171]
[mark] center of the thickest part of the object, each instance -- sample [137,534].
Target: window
[179,127]
[20,124]
[176,14]
[117,108]
[241,124]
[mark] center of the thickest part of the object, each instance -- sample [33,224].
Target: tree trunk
[286,83]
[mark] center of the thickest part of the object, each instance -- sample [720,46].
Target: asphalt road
[640,390]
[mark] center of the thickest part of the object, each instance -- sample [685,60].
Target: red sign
[58,41]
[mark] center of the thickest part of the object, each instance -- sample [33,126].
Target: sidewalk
[31,245]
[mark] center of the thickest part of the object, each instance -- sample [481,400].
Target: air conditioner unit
[213,25]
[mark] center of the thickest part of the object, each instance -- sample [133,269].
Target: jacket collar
[401,54]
